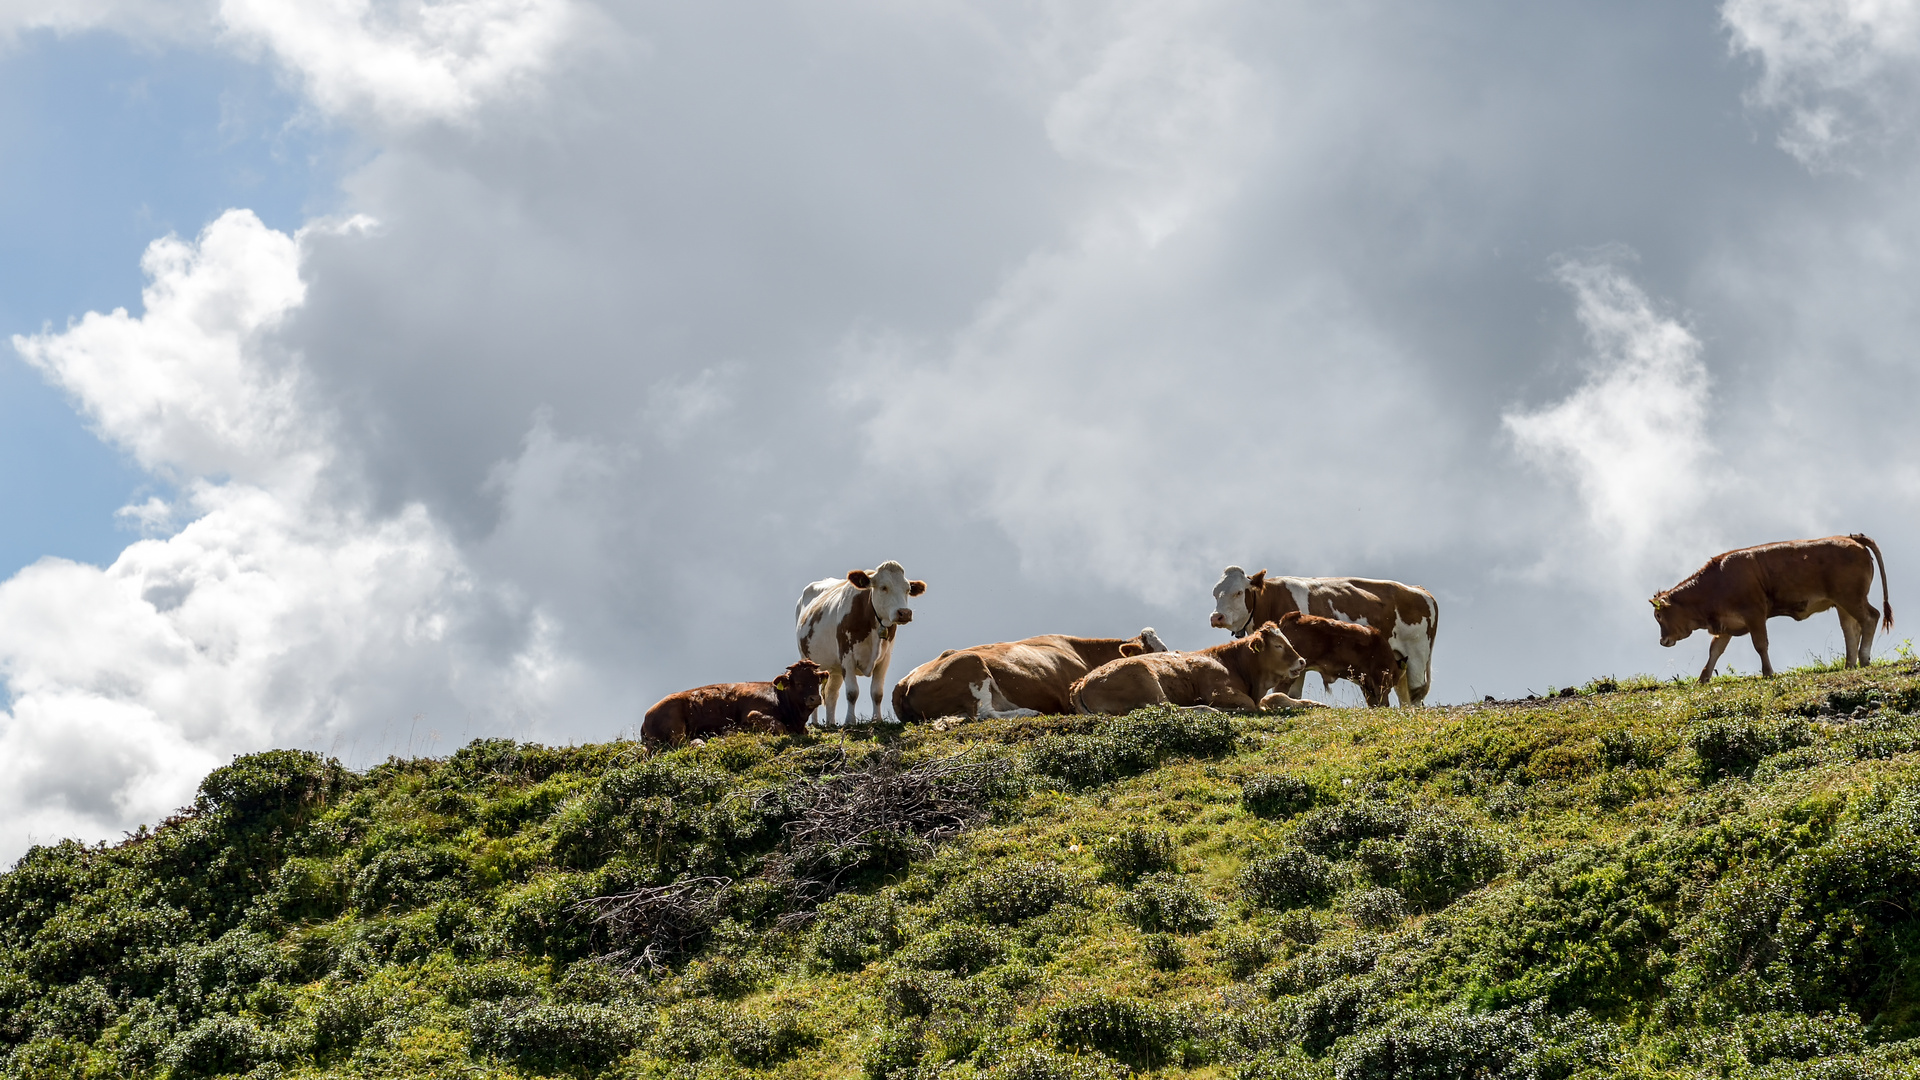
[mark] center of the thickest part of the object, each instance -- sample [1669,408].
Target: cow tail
[1886,606]
[903,709]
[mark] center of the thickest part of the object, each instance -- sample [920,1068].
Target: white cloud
[404,60]
[1633,437]
[396,62]
[285,612]
[1843,72]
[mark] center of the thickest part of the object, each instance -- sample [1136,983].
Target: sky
[383,374]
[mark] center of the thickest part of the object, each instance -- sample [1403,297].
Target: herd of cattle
[1378,634]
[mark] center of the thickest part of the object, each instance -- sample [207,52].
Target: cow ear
[1130,649]
[780,683]
[1254,643]
[1658,602]
[1257,580]
[860,578]
[915,588]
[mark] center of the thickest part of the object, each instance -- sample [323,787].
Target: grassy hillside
[1644,880]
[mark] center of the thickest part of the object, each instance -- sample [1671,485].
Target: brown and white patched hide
[847,625]
[1030,677]
[1408,615]
[1233,675]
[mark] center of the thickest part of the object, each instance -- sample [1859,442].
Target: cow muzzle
[1218,622]
[903,617]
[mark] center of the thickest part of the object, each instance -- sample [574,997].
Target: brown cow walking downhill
[1234,675]
[1030,677]
[1738,591]
[780,707]
[1344,650]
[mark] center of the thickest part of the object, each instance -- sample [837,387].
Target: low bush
[1039,1063]
[1243,953]
[1276,796]
[961,950]
[1126,855]
[851,931]
[1377,909]
[548,1038]
[1165,902]
[1734,745]
[1164,952]
[1336,832]
[1288,878]
[1012,893]
[1141,1033]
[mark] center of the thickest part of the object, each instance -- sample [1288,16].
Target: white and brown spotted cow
[846,625]
[1408,615]
[1030,677]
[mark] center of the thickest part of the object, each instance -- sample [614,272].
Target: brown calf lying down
[782,705]
[1235,675]
[1031,677]
[1738,591]
[1344,650]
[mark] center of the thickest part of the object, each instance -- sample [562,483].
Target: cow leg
[853,698]
[1713,655]
[830,694]
[877,682]
[1867,618]
[1760,646]
[1850,630]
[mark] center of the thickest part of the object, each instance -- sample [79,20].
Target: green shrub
[1127,855]
[1377,909]
[1141,1033]
[1337,831]
[1442,857]
[1039,1063]
[401,879]
[1276,796]
[1288,878]
[1011,893]
[1243,953]
[961,949]
[1511,1044]
[851,930]
[1734,745]
[217,1045]
[1167,902]
[553,1037]
[1164,952]
[895,1052]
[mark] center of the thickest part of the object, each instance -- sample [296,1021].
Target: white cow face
[1231,610]
[890,591]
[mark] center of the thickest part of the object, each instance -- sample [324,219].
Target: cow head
[802,684]
[1233,600]
[891,590]
[1677,622]
[1277,661]
[1144,642]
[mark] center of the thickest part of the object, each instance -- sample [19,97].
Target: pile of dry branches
[847,819]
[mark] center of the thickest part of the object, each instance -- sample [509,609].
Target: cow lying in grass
[1031,677]
[780,706]
[1235,675]
[1344,650]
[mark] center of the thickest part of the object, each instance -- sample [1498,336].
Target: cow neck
[1242,632]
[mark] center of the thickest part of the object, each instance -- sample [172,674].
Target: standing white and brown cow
[846,625]
[1738,591]
[1030,677]
[1408,615]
